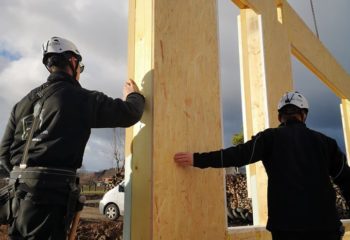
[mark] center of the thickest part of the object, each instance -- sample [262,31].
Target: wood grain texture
[188,203]
[176,64]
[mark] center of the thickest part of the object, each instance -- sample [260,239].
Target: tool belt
[46,185]
[43,176]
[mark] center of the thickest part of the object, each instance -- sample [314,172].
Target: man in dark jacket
[300,164]
[45,179]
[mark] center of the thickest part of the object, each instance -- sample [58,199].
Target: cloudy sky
[99,28]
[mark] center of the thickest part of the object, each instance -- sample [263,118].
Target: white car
[112,203]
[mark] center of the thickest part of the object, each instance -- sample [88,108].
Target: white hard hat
[59,45]
[293,98]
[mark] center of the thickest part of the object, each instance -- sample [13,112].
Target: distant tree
[237,139]
[118,148]
[118,154]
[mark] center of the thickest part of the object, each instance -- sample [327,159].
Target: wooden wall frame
[173,57]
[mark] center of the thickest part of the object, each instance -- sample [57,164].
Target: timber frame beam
[174,58]
[260,21]
[307,49]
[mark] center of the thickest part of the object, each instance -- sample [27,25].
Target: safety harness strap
[42,95]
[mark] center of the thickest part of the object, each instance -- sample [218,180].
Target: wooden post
[345,111]
[270,31]
[174,60]
[266,75]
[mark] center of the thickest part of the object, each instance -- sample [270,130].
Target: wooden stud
[253,100]
[129,131]
[345,111]
[266,70]
[140,68]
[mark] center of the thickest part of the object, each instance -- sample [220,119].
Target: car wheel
[112,211]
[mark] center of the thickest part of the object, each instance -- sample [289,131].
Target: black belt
[43,174]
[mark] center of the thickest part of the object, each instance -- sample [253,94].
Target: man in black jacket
[46,187]
[300,164]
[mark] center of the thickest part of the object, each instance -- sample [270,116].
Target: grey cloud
[99,28]
[4,62]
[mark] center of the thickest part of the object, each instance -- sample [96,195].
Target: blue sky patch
[12,56]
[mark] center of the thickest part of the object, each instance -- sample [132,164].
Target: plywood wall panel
[188,203]
[176,64]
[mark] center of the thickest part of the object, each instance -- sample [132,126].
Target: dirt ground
[92,225]
[99,229]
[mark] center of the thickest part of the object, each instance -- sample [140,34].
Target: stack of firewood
[342,206]
[239,206]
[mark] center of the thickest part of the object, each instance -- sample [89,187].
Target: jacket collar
[62,76]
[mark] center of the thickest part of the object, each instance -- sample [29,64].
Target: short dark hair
[291,109]
[59,60]
[290,112]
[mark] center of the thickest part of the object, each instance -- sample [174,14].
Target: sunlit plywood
[176,63]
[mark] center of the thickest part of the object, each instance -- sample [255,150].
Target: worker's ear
[304,116]
[279,117]
[73,60]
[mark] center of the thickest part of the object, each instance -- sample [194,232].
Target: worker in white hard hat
[62,53]
[45,139]
[300,164]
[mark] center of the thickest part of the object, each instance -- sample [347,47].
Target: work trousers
[290,235]
[34,221]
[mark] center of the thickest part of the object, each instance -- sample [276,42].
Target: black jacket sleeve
[240,155]
[118,113]
[6,142]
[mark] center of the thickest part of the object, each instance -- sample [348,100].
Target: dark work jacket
[299,163]
[65,123]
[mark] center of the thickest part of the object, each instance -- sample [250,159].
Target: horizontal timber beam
[256,5]
[314,55]
[308,49]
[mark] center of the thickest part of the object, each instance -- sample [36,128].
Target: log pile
[342,206]
[239,206]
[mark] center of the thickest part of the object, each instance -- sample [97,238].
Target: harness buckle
[23,166]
